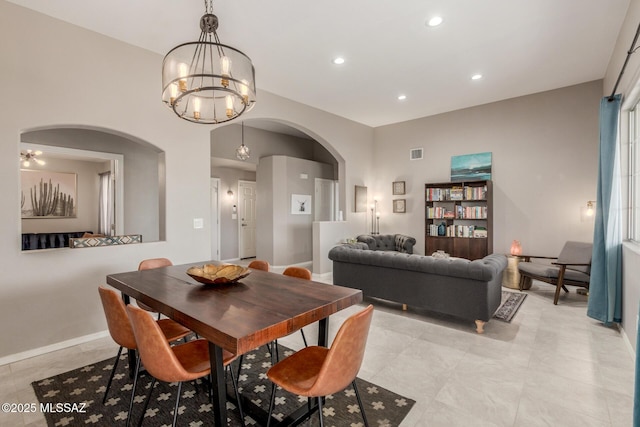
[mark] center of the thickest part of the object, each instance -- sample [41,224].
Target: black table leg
[323,332]
[218,385]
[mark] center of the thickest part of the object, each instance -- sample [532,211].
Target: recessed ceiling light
[476,77]
[402,97]
[435,21]
[338,61]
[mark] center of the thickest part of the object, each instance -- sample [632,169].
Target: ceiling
[520,47]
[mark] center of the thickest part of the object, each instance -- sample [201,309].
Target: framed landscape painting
[471,167]
[47,194]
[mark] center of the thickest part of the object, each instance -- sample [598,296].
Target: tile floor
[551,366]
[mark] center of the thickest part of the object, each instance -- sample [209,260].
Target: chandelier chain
[208,6]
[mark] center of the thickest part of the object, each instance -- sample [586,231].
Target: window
[634,174]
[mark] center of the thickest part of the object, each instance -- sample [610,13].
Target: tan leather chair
[122,333]
[149,264]
[300,273]
[182,362]
[259,264]
[320,371]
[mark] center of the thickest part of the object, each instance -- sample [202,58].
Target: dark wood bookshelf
[466,210]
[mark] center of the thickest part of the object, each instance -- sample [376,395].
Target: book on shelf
[480,232]
[457,193]
[471,212]
[475,193]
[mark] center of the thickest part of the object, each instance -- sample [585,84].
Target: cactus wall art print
[48,194]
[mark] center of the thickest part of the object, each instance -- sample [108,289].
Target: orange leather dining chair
[182,362]
[148,264]
[122,333]
[319,371]
[258,264]
[300,273]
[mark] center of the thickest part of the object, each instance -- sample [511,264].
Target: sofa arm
[405,243]
[369,240]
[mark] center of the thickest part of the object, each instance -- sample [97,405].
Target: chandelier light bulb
[183,74]
[196,108]
[26,163]
[174,92]
[229,103]
[225,67]
[244,91]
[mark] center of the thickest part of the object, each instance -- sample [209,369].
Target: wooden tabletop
[237,317]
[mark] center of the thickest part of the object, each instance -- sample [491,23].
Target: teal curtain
[605,289]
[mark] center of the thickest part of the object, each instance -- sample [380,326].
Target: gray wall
[85,85]
[228,226]
[86,199]
[282,237]
[263,143]
[140,174]
[545,157]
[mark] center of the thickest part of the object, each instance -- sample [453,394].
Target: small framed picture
[398,188]
[400,206]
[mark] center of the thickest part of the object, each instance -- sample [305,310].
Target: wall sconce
[590,204]
[230,193]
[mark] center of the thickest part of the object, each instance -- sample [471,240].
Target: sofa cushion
[368,240]
[404,243]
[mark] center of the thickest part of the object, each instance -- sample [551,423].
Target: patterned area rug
[85,388]
[511,302]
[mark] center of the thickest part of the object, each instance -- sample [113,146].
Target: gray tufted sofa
[388,242]
[454,286]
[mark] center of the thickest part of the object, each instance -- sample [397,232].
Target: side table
[511,275]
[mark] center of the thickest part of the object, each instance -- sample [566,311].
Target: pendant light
[243,152]
[206,81]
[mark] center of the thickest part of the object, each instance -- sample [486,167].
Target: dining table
[237,316]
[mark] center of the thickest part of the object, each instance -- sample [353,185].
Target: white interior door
[246,219]
[215,218]
[324,203]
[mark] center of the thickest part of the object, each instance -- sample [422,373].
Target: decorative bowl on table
[218,274]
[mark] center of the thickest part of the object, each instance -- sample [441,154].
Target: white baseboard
[53,347]
[627,343]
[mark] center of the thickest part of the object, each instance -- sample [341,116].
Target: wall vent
[415,154]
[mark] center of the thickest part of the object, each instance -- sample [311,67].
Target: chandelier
[206,81]
[243,152]
[26,157]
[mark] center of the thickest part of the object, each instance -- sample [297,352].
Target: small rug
[81,390]
[511,302]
